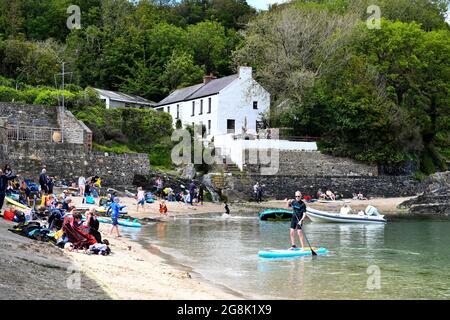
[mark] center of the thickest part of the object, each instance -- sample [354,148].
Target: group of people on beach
[191,195]
[89,187]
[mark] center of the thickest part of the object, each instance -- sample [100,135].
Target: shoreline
[136,272]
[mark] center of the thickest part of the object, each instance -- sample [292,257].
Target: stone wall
[283,186]
[73,130]
[314,163]
[33,115]
[69,161]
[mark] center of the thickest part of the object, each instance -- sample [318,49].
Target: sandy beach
[131,271]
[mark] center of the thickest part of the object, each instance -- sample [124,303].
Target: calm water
[413,257]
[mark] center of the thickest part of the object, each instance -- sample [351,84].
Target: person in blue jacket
[115,208]
[4,178]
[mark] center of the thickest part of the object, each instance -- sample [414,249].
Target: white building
[224,106]
[115,99]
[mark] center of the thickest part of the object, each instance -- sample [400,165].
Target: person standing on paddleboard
[297,219]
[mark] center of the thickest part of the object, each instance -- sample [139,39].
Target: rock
[189,172]
[206,180]
[435,199]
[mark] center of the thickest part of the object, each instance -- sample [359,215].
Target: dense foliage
[122,45]
[378,95]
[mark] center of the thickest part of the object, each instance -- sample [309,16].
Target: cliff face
[435,199]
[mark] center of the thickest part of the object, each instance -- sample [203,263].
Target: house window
[201,106]
[255,105]
[178,111]
[231,126]
[168,109]
[160,109]
[209,105]
[193,108]
[209,127]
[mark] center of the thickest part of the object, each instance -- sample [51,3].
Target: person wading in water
[297,219]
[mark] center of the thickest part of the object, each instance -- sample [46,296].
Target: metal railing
[30,133]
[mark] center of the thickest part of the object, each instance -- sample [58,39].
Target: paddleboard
[124,223]
[17,204]
[291,253]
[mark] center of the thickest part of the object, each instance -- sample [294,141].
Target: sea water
[404,259]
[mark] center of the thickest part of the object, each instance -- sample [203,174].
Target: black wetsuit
[299,210]
[3,185]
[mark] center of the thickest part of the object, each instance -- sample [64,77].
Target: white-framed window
[201,107]
[178,111]
[209,105]
[255,105]
[193,108]
[231,126]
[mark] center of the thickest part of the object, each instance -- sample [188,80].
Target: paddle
[304,234]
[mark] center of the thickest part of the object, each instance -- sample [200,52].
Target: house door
[231,126]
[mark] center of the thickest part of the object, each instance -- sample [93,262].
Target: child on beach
[140,199]
[115,208]
[163,208]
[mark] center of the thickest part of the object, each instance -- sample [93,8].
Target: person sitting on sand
[330,195]
[163,208]
[320,195]
[56,217]
[360,196]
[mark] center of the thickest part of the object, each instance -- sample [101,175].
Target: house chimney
[245,73]
[207,79]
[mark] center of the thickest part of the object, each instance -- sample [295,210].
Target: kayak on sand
[124,223]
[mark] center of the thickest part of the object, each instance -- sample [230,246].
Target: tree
[289,47]
[208,41]
[180,71]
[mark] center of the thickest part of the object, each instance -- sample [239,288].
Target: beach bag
[9,215]
[90,200]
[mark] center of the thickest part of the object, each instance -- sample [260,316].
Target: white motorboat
[370,215]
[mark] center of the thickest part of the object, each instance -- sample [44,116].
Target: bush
[50,97]
[113,147]
[427,164]
[11,95]
[161,156]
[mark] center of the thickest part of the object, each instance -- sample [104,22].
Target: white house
[225,105]
[115,99]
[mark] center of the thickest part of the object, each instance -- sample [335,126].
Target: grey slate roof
[123,97]
[199,90]
[180,95]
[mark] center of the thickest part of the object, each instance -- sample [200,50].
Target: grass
[115,148]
